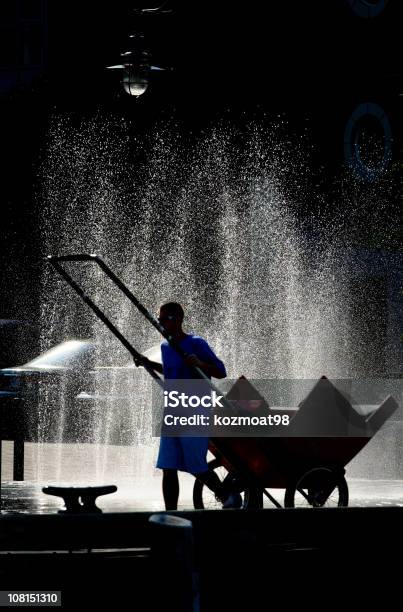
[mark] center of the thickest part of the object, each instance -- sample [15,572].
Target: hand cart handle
[138,357]
[55,261]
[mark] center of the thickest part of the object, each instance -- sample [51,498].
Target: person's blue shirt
[173,364]
[184,448]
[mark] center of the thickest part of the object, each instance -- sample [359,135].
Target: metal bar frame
[82,257]
[137,357]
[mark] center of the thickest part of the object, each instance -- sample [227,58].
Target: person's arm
[207,359]
[154,365]
[211,369]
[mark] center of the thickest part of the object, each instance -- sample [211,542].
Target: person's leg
[170,460]
[195,454]
[227,492]
[210,479]
[170,488]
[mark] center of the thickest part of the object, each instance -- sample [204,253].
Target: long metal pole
[55,260]
[138,357]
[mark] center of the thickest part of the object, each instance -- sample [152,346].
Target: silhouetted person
[184,453]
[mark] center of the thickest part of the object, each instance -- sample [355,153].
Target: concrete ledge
[271,528]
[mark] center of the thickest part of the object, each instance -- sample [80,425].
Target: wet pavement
[132,471]
[27,497]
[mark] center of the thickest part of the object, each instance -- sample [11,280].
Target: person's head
[171,316]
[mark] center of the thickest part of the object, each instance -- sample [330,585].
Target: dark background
[310,62]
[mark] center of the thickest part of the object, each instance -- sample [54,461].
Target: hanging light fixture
[135,64]
[136,69]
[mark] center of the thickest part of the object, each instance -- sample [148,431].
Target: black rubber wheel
[318,488]
[204,499]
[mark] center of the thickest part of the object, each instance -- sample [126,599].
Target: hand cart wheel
[204,499]
[318,488]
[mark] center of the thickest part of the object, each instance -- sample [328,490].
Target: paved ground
[133,471]
[146,495]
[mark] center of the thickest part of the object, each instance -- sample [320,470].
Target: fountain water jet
[206,224]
